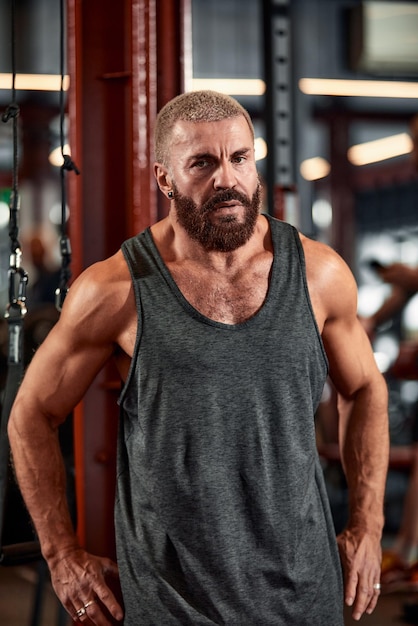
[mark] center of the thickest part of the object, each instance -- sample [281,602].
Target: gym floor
[25,602]
[27,598]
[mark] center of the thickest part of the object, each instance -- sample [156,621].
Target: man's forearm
[40,473]
[364,445]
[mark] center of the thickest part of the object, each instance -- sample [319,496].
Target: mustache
[225,195]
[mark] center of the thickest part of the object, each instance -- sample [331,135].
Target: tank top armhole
[127,249]
[302,262]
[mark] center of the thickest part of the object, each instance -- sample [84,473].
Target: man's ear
[163,178]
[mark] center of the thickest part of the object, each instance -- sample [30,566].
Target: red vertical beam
[160,55]
[144,106]
[120,58]
[100,104]
[74,57]
[98,109]
[172,37]
[74,63]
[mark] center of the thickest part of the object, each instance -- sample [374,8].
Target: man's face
[215,182]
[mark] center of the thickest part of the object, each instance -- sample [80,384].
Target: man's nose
[225,176]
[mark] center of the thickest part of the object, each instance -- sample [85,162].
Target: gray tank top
[221,513]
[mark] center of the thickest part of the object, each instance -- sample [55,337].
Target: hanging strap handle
[28,551]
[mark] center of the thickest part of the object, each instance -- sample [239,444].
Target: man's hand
[83,583]
[361,558]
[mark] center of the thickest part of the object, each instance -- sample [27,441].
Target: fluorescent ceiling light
[34,82]
[260,148]
[362,88]
[315,168]
[380,149]
[231,86]
[322,213]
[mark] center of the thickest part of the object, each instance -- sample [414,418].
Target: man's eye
[200,164]
[239,159]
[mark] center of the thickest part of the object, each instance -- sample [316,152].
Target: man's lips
[227,205]
[224,201]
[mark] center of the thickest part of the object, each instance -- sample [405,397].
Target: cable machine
[18,541]
[16,310]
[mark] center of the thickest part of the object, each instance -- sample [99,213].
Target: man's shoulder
[107,272]
[103,283]
[329,277]
[318,252]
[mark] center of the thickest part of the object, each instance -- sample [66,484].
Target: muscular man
[224,324]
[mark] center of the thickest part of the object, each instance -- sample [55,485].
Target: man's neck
[176,246]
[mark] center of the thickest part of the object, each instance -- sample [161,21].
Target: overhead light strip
[359,88]
[34,82]
[380,149]
[315,168]
[231,86]
[361,154]
[244,87]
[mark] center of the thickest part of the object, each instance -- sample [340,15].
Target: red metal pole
[125,61]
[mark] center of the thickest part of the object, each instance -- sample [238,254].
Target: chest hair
[229,298]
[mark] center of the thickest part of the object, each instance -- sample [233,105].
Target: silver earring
[170,194]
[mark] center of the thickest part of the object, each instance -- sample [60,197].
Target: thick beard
[229,234]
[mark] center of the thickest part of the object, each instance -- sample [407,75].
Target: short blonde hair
[194,106]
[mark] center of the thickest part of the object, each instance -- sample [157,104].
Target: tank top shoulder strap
[139,255]
[285,238]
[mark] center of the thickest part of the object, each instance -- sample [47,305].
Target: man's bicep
[350,356]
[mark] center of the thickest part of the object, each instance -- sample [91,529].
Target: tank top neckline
[262,311]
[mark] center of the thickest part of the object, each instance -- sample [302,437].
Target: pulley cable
[67,165]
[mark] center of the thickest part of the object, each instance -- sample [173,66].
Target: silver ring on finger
[81,612]
[377,587]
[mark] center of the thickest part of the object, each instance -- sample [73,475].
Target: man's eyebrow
[201,155]
[241,151]
[210,155]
